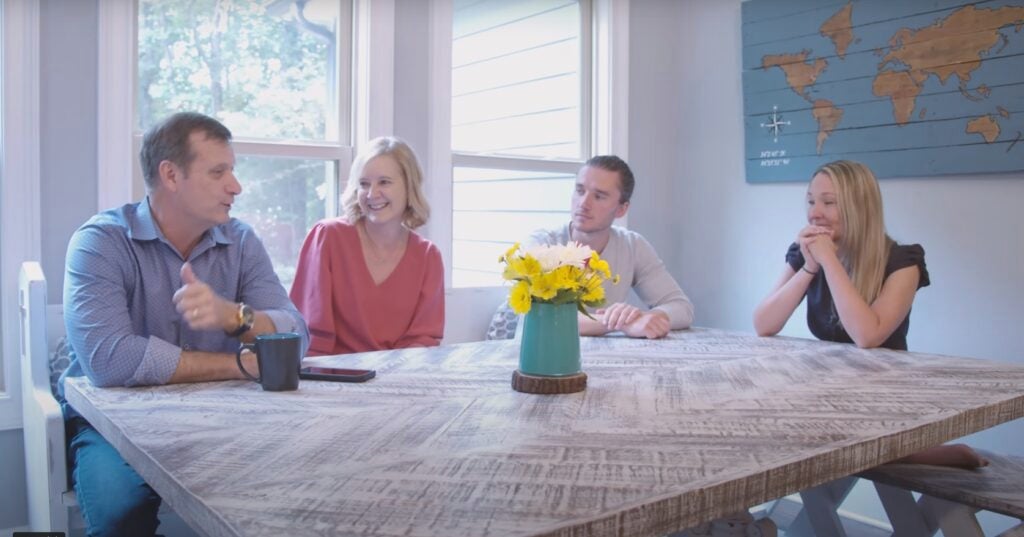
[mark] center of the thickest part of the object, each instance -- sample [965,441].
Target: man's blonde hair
[864,244]
[417,210]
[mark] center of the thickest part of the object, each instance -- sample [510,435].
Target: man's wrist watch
[246,317]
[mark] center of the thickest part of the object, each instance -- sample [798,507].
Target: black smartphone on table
[335,374]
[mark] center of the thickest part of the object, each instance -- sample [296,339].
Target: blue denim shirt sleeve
[97,316]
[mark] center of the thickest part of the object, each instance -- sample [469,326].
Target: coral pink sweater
[347,312]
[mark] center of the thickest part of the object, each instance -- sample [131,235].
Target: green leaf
[583,310]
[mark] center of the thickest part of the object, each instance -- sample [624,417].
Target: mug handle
[238,360]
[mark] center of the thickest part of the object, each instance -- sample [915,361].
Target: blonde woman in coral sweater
[367,281]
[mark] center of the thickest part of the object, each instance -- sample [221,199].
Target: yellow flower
[567,277]
[593,292]
[519,298]
[570,273]
[599,265]
[525,267]
[509,253]
[544,286]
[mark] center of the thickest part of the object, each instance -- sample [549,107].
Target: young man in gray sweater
[603,189]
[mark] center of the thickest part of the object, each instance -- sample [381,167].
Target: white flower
[556,255]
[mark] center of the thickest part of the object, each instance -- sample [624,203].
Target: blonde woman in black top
[859,283]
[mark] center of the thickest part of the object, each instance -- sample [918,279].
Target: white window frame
[373,103]
[119,174]
[605,90]
[19,189]
[116,161]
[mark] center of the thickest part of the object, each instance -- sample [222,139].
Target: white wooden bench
[51,502]
[950,497]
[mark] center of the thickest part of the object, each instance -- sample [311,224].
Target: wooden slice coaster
[521,382]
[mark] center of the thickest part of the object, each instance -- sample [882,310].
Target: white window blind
[520,128]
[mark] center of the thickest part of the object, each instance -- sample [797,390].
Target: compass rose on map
[775,125]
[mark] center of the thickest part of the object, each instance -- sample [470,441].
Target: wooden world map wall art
[910,88]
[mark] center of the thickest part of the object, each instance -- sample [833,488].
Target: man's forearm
[590,327]
[207,366]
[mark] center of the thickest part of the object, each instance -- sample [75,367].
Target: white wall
[68,45]
[725,239]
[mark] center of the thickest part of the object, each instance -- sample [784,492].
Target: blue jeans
[113,498]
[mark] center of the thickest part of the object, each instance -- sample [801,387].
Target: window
[277,74]
[520,124]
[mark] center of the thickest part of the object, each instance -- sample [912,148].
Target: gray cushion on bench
[503,323]
[60,359]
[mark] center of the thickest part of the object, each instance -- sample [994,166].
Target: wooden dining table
[668,433]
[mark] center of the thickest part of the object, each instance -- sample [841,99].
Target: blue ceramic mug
[279,356]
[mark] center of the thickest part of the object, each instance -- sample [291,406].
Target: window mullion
[310,150]
[512,163]
[374,69]
[587,58]
[610,77]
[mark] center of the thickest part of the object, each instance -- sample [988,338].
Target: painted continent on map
[912,87]
[952,47]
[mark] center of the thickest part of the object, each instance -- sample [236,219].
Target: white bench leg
[819,517]
[903,512]
[952,518]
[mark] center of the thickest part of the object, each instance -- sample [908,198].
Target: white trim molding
[611,78]
[19,187]
[115,110]
[611,81]
[374,113]
[439,132]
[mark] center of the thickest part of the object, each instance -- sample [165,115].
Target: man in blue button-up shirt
[163,291]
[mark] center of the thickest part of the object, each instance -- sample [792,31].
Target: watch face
[248,316]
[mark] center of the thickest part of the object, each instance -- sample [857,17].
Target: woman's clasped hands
[815,243]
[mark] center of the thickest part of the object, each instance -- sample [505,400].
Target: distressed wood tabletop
[668,433]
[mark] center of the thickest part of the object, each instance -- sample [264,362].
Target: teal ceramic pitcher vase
[550,345]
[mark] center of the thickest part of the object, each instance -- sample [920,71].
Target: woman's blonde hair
[417,210]
[864,244]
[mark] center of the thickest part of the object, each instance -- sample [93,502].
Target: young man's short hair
[613,163]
